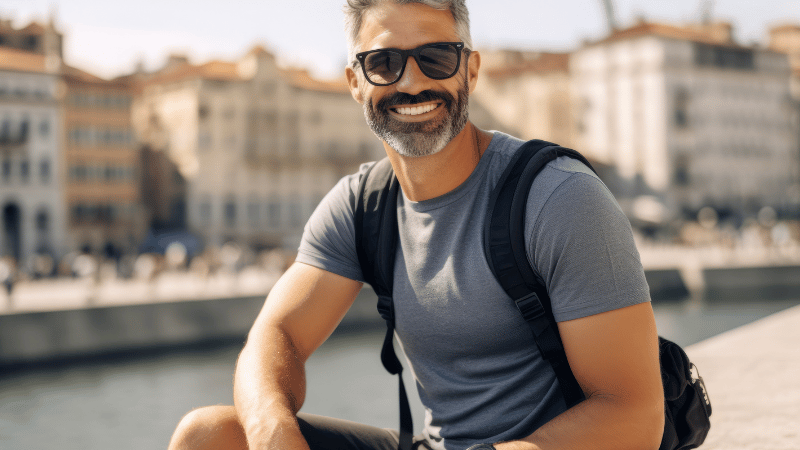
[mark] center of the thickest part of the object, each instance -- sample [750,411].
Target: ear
[352,83]
[473,65]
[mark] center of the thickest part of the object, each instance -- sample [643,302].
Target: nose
[413,80]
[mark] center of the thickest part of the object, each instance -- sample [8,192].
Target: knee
[211,427]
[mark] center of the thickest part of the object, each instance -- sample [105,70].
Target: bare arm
[614,357]
[301,311]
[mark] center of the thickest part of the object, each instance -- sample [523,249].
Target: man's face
[417,115]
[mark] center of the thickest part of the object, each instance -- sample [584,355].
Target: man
[478,371]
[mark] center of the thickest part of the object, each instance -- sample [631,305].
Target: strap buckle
[530,306]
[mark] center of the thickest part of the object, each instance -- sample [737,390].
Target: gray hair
[354,14]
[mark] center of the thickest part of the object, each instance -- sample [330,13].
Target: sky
[108,38]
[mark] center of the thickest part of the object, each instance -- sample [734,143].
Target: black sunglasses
[437,60]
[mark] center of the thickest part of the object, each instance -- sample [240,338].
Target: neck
[428,177]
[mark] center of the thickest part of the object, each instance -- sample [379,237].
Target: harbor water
[134,402]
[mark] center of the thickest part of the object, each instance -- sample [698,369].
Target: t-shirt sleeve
[582,246]
[328,240]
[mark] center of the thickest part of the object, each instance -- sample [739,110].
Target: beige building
[31,178]
[258,145]
[526,94]
[689,118]
[101,158]
[35,38]
[786,39]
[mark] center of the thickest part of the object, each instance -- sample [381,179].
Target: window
[205,213]
[30,42]
[24,170]
[274,213]
[681,117]
[79,172]
[23,130]
[44,128]
[6,169]
[5,131]
[42,221]
[681,174]
[79,212]
[253,213]
[44,171]
[230,213]
[74,136]
[723,57]
[295,212]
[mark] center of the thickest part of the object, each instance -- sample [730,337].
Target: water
[127,404]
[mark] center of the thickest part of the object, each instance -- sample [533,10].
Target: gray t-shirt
[479,373]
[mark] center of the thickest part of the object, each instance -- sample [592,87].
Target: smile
[416,110]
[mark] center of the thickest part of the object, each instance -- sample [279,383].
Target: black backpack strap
[504,245]
[376,242]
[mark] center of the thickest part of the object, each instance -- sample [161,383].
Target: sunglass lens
[439,61]
[383,67]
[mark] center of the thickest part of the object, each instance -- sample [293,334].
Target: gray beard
[420,138]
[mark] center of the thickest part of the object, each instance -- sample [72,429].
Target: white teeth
[416,110]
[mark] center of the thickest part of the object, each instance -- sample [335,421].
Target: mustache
[401,98]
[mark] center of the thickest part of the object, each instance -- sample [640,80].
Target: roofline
[653,29]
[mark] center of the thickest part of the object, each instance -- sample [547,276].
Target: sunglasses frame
[404,54]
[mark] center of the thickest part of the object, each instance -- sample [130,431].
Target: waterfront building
[102,161]
[258,145]
[527,94]
[786,39]
[41,39]
[31,179]
[689,118]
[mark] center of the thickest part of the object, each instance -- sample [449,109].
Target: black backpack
[687,407]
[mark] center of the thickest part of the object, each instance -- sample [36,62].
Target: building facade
[31,178]
[258,145]
[35,38]
[527,94]
[102,161]
[689,118]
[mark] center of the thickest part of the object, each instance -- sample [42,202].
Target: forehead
[405,26]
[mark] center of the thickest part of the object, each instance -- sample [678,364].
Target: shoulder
[580,243]
[566,184]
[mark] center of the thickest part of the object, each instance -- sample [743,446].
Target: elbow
[639,424]
[648,428]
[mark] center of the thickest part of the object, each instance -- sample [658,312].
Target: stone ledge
[753,378]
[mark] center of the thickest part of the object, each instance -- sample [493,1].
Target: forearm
[269,389]
[600,422]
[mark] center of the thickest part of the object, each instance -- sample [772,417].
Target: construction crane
[611,19]
[706,11]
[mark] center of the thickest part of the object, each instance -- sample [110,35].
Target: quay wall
[31,337]
[41,336]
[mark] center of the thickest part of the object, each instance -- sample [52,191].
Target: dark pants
[325,433]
